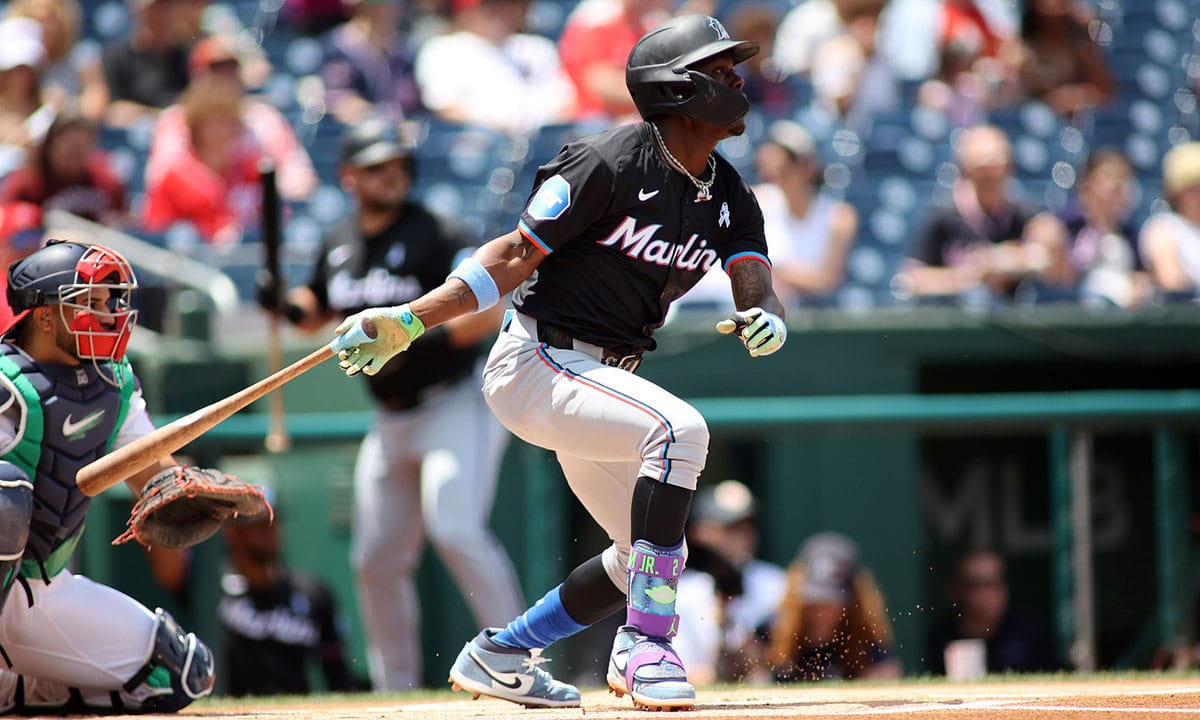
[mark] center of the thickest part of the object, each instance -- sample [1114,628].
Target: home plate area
[1025,698]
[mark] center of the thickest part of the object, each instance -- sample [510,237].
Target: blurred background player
[69,397]
[833,621]
[727,597]
[275,620]
[429,465]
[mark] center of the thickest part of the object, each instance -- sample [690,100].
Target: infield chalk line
[1122,710]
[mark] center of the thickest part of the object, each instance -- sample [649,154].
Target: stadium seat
[466,172]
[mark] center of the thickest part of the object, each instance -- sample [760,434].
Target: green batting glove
[760,331]
[359,350]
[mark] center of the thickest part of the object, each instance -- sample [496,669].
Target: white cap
[20,43]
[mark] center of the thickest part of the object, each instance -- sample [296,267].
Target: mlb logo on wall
[551,200]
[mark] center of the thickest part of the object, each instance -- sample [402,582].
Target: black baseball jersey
[407,259]
[625,238]
[271,634]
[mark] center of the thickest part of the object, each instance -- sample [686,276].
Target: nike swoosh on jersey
[644,196]
[512,681]
[72,428]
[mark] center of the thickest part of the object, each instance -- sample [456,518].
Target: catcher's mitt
[184,505]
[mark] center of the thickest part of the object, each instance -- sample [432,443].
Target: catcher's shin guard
[16,508]
[180,668]
[642,662]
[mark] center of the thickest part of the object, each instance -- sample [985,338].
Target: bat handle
[362,332]
[733,325]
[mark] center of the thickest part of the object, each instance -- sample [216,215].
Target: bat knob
[362,332]
[277,443]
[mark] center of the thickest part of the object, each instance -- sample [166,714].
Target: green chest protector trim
[27,453]
[125,372]
[55,563]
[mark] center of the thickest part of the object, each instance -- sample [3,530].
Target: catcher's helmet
[661,80]
[65,274]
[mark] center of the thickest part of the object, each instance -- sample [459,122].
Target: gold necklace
[703,189]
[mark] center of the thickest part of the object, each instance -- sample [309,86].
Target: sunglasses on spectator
[982,581]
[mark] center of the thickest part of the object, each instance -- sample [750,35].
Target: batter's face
[721,69]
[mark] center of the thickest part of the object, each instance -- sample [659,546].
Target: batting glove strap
[760,331]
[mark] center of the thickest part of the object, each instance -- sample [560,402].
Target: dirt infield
[1050,699]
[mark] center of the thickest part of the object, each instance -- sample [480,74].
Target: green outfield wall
[917,432]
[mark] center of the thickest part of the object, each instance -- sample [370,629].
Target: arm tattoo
[751,281]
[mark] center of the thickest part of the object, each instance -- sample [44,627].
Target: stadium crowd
[152,116]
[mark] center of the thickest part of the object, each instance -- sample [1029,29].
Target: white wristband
[479,280]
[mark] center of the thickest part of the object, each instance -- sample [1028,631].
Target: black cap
[725,503]
[371,142]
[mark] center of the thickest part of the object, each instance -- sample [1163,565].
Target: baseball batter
[429,465]
[67,397]
[618,226]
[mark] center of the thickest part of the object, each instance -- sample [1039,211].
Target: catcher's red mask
[95,307]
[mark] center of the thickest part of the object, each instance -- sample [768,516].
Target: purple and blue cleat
[648,670]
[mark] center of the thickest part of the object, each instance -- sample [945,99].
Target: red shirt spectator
[214,185]
[964,23]
[594,47]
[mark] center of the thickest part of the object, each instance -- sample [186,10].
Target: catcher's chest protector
[71,416]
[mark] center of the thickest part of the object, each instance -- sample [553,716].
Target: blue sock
[540,625]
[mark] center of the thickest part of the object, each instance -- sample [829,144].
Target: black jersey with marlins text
[622,232]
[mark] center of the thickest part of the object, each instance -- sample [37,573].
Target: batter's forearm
[751,284]
[509,259]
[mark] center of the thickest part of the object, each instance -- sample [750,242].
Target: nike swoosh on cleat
[644,196]
[512,681]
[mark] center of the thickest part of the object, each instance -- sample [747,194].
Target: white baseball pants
[78,634]
[607,426]
[428,472]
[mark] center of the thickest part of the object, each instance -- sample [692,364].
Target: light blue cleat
[487,668]
[648,670]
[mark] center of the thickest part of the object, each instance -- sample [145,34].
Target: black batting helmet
[661,80]
[35,280]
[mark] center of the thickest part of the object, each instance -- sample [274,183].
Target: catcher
[69,645]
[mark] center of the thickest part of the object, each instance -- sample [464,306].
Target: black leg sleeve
[588,594]
[659,512]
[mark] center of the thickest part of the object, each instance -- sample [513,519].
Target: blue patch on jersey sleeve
[551,200]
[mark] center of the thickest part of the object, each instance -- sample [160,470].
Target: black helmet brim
[742,51]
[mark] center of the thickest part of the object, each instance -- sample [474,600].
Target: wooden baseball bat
[277,439]
[125,462]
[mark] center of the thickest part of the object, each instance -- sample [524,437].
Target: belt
[627,358]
